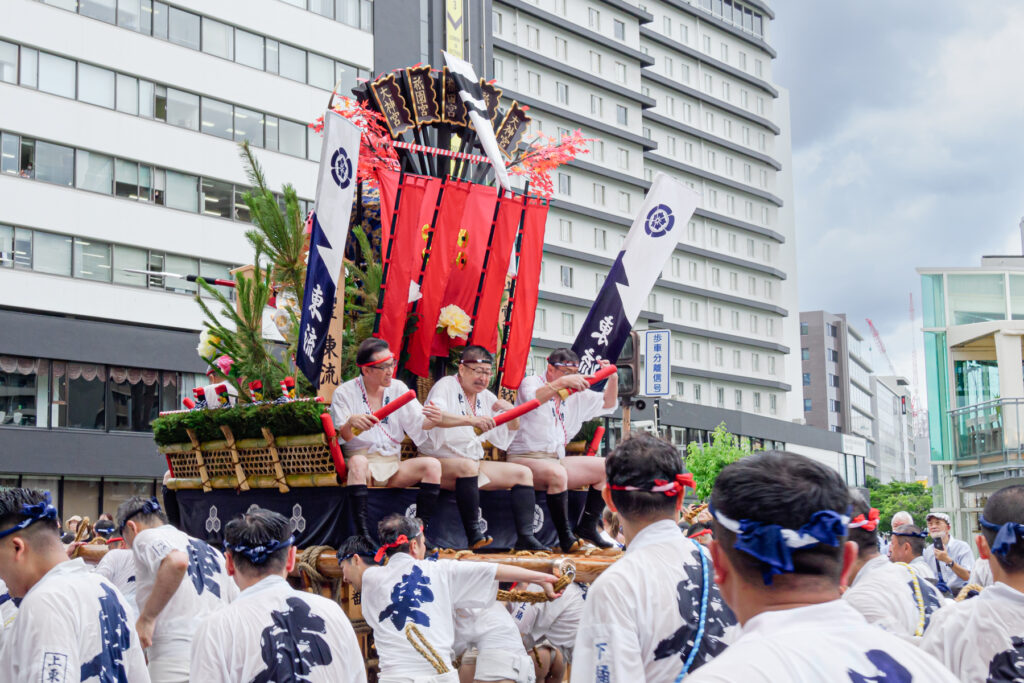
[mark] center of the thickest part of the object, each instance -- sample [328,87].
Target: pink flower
[224,364]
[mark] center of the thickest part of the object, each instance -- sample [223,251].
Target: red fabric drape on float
[468,261]
[485,323]
[524,302]
[436,272]
[415,211]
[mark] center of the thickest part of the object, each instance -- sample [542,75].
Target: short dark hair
[395,525]
[1006,505]
[476,354]
[12,501]
[867,541]
[915,541]
[252,529]
[777,487]
[139,508]
[563,355]
[695,529]
[104,528]
[369,348]
[638,461]
[357,545]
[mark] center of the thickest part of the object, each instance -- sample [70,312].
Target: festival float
[435,250]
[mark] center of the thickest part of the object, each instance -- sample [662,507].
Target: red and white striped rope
[413,147]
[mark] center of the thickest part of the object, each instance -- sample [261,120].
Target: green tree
[890,498]
[705,461]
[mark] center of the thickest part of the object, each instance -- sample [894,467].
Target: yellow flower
[454,321]
[206,349]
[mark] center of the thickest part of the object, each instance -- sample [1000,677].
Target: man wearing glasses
[466,404]
[372,447]
[540,443]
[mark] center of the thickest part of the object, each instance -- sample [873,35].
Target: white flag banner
[335,192]
[473,97]
[652,238]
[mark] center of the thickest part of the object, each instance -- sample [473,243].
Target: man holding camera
[951,557]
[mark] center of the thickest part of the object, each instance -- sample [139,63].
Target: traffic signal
[628,366]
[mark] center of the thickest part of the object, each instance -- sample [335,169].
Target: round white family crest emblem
[341,168]
[659,221]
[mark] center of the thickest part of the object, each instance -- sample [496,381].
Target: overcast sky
[908,149]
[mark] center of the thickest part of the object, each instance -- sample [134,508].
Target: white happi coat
[486,628]
[981,639]
[272,632]
[118,567]
[8,611]
[883,592]
[981,574]
[828,642]
[641,614]
[386,437]
[960,553]
[923,569]
[205,588]
[72,626]
[557,620]
[425,594]
[454,442]
[548,429]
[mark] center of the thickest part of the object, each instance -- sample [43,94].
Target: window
[718,356]
[594,19]
[716,276]
[533,82]
[217,118]
[805,354]
[596,105]
[8,62]
[757,401]
[772,404]
[218,39]
[624,201]
[807,405]
[833,405]
[181,108]
[599,194]
[708,83]
[670,145]
[718,315]
[94,172]
[693,270]
[566,276]
[707,44]
[721,397]
[496,19]
[54,163]
[677,349]
[562,92]
[734,280]
[50,253]
[757,68]
[738,393]
[709,121]
[680,389]
[217,198]
[669,67]
[620,72]
[532,37]
[540,321]
[595,61]
[623,157]
[735,320]
[652,301]
[769,327]
[248,125]
[600,239]
[694,311]
[737,360]
[561,49]
[183,28]
[564,183]
[619,29]
[695,352]
[677,308]
[565,230]
[291,137]
[568,324]
[804,329]
[56,75]
[92,260]
[755,362]
[182,191]
[832,355]
[98,9]
[696,393]
[752,285]
[621,115]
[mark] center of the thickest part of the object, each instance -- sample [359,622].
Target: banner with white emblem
[335,191]
[651,241]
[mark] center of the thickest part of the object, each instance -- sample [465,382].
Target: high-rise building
[119,131]
[894,430]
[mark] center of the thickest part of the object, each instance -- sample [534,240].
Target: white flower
[206,349]
[454,321]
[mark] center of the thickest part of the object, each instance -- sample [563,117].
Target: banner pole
[512,285]
[426,254]
[487,253]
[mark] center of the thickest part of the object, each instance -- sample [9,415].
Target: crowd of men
[785,581]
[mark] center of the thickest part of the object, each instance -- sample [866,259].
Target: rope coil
[426,650]
[534,597]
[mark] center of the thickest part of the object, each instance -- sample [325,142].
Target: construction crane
[915,422]
[881,346]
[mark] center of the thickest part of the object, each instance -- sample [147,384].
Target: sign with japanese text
[657,362]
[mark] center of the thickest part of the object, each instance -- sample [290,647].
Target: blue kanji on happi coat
[407,595]
[888,670]
[203,567]
[292,646]
[108,665]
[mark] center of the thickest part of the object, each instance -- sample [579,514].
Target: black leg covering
[426,501]
[357,496]
[523,501]
[587,528]
[558,506]
[467,499]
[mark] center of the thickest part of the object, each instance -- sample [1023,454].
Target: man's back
[641,615]
[982,638]
[272,632]
[828,641]
[893,597]
[73,625]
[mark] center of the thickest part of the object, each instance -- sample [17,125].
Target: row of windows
[735,13]
[357,13]
[714,160]
[49,73]
[724,91]
[720,125]
[834,406]
[532,85]
[85,496]
[217,38]
[89,259]
[668,30]
[85,170]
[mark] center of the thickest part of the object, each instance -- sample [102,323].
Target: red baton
[602,374]
[596,441]
[512,413]
[391,407]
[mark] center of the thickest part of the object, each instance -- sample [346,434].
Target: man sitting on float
[540,443]
[467,405]
[373,447]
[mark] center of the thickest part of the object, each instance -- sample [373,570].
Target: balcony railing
[988,437]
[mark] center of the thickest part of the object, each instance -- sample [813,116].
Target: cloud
[907,149]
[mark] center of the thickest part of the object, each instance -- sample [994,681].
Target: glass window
[217,198]
[218,39]
[183,28]
[934,313]
[975,298]
[93,171]
[249,49]
[127,179]
[92,260]
[129,257]
[24,385]
[272,56]
[82,386]
[96,86]
[217,118]
[6,246]
[29,67]
[347,11]
[9,152]
[182,191]
[214,271]
[8,62]
[185,266]
[147,101]
[292,138]
[158,185]
[134,398]
[322,7]
[129,14]
[271,141]
[81,496]
[321,72]
[51,253]
[242,212]
[248,126]
[22,248]
[55,163]
[314,143]
[182,109]
[69,5]
[293,63]
[160,20]
[1016,297]
[56,75]
[104,10]
[127,94]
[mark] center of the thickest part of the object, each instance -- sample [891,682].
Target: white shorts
[168,670]
[500,665]
[450,677]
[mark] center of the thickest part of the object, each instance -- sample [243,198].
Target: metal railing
[988,436]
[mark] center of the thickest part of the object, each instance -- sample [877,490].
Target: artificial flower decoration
[206,349]
[454,321]
[223,364]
